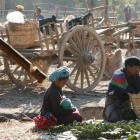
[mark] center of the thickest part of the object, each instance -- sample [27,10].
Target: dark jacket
[117,104]
[121,85]
[51,102]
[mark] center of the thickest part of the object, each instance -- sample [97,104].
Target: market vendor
[56,103]
[124,82]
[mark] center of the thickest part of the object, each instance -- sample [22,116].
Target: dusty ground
[20,104]
[15,103]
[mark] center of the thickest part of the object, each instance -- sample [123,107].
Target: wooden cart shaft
[22,61]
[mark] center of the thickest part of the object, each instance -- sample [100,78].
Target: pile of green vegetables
[102,130]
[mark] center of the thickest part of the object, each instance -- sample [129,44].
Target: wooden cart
[80,48]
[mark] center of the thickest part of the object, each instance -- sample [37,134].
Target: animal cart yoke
[22,61]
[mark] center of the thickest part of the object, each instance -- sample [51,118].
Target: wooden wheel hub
[87,59]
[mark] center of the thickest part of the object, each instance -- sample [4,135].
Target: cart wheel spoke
[20,74]
[86,76]
[79,42]
[82,77]
[95,67]
[74,70]
[72,64]
[74,46]
[15,69]
[84,38]
[92,47]
[25,76]
[70,58]
[77,76]
[73,52]
[88,44]
[91,73]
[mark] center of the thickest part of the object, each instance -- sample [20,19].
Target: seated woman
[124,81]
[54,96]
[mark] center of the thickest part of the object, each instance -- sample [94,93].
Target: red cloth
[44,123]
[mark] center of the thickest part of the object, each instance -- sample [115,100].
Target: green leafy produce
[122,130]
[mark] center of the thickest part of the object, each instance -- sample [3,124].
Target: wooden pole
[22,61]
[86,6]
[92,1]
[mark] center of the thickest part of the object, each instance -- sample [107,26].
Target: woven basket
[23,35]
[135,100]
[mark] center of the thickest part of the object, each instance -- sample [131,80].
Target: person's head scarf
[60,73]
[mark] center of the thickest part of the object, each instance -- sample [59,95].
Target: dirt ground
[17,103]
[20,105]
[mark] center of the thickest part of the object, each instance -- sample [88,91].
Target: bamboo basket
[22,35]
[135,100]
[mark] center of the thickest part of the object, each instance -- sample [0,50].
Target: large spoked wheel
[19,76]
[82,51]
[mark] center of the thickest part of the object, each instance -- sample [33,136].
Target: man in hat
[123,82]
[54,96]
[38,14]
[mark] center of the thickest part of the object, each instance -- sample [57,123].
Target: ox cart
[79,47]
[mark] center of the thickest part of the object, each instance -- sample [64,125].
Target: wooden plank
[103,31]
[45,38]
[61,28]
[96,8]
[22,61]
[121,31]
[51,37]
[57,35]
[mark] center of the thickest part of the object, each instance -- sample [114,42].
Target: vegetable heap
[102,130]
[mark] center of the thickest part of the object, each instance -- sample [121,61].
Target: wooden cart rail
[123,33]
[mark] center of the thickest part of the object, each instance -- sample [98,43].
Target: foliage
[102,130]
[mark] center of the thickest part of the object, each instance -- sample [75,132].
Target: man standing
[127,12]
[38,14]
